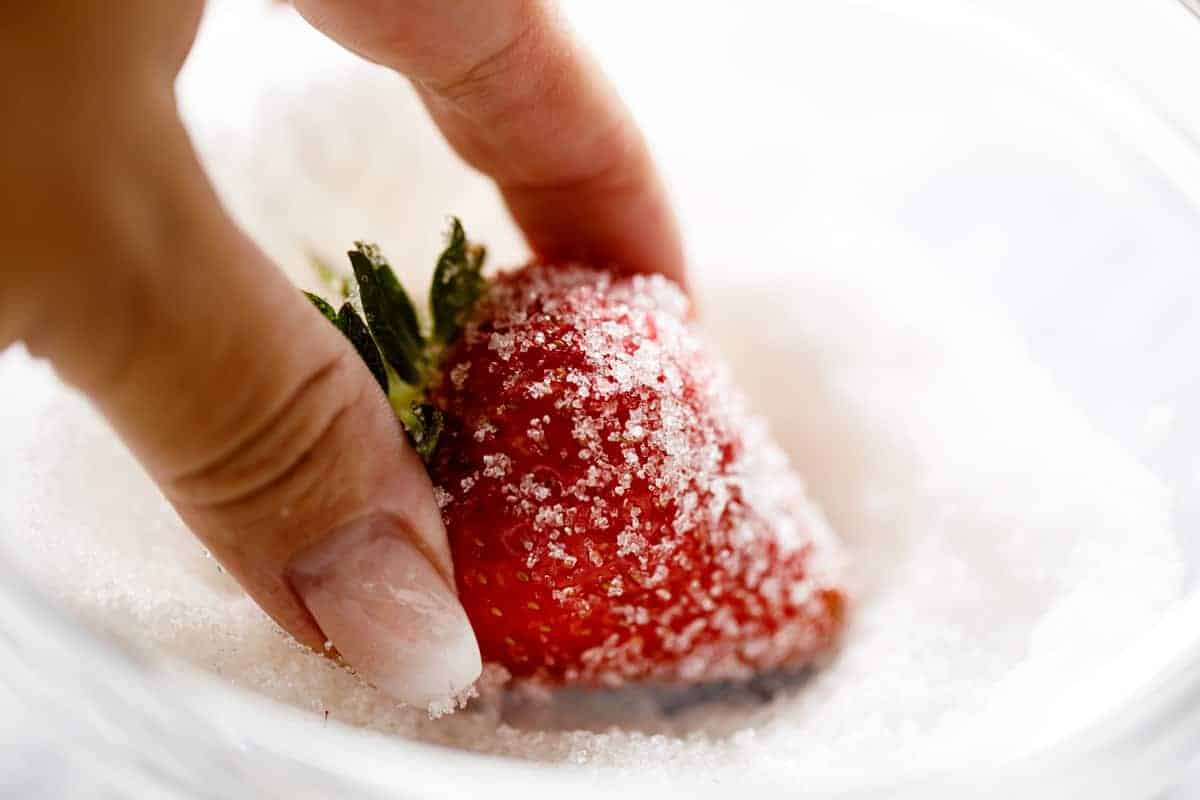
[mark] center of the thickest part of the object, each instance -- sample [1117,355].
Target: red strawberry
[614,512]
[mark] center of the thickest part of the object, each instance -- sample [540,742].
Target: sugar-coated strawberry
[614,511]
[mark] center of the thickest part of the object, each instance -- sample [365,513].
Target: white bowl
[1056,190]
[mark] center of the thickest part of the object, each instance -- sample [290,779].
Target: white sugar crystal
[990,546]
[998,546]
[483,430]
[458,374]
[496,465]
[442,497]
[503,344]
[447,705]
[539,389]
[558,553]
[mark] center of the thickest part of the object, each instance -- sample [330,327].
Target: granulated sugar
[998,548]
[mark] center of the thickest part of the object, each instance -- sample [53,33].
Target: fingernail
[388,611]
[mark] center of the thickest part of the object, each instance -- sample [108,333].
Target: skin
[121,267]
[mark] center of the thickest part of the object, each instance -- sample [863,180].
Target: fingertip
[626,226]
[389,611]
[521,100]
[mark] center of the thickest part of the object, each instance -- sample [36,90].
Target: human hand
[249,411]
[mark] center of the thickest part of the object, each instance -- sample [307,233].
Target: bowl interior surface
[815,133]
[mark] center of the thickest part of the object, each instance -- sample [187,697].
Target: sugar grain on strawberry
[614,510]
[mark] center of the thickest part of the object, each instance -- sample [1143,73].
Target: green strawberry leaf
[355,330]
[403,359]
[352,325]
[402,305]
[323,307]
[401,351]
[425,427]
[457,284]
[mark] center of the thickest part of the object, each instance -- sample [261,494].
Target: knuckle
[287,452]
[476,81]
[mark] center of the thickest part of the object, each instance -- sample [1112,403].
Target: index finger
[521,101]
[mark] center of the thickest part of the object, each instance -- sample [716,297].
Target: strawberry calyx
[403,351]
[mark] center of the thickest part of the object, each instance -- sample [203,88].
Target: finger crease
[286,471]
[206,475]
[482,71]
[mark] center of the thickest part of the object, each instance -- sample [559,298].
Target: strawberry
[613,510]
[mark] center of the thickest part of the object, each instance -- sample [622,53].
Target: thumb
[256,419]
